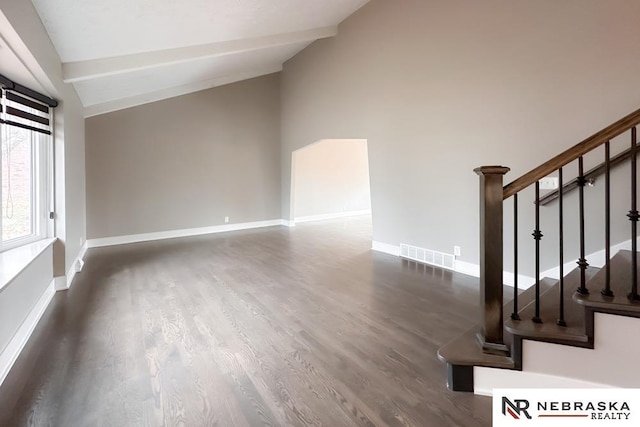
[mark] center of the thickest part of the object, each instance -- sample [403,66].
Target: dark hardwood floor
[277,326]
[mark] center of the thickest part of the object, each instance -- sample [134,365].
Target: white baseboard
[471,269]
[331,216]
[61,283]
[467,268]
[385,248]
[72,270]
[171,234]
[595,259]
[459,266]
[11,352]
[288,223]
[524,282]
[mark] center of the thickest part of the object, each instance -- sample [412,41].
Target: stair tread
[527,297]
[549,330]
[465,349]
[620,267]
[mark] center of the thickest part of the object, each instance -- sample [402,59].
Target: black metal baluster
[582,262]
[607,222]
[537,235]
[515,315]
[561,321]
[633,217]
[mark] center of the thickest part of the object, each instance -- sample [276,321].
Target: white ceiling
[121,53]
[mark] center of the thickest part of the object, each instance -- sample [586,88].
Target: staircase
[554,313]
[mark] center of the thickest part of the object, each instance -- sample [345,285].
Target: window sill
[14,261]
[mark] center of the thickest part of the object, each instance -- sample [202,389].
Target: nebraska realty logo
[566,407]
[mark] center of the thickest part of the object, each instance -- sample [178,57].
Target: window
[25,166]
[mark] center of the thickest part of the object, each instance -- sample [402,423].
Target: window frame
[41,190]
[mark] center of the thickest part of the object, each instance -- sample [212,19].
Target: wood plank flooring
[269,327]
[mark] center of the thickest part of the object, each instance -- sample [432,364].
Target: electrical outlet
[549,183]
[456,250]
[226,219]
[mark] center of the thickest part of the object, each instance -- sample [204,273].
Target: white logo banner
[566,407]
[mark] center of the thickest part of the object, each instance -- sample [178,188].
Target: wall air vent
[427,256]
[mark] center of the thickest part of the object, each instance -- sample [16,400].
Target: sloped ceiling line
[123,53]
[96,68]
[133,101]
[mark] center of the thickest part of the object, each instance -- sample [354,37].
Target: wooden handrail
[492,196]
[590,176]
[572,154]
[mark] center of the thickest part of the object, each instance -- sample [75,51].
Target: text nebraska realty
[594,410]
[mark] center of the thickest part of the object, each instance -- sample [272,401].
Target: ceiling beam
[145,98]
[95,68]
[19,63]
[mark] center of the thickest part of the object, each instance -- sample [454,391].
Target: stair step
[546,285]
[465,350]
[620,285]
[572,334]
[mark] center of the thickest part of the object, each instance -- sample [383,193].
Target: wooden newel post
[491,256]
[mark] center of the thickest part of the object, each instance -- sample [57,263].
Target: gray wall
[186,162]
[331,177]
[441,87]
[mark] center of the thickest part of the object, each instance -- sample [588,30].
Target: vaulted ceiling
[122,53]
